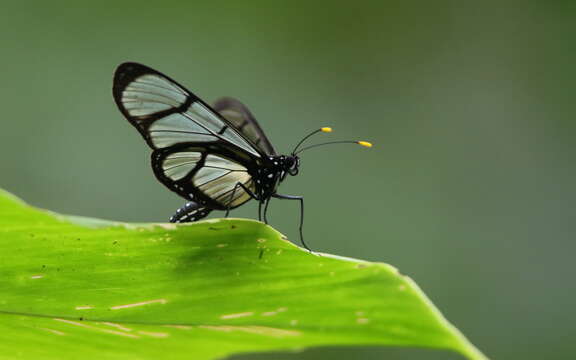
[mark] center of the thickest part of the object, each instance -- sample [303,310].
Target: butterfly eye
[292,164]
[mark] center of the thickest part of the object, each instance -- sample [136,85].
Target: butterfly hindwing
[207,177]
[238,114]
[198,153]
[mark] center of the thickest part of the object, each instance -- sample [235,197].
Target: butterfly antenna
[362,143]
[324,129]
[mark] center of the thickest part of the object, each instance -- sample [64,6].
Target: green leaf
[73,287]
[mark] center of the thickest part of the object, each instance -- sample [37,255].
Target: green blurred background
[469,187]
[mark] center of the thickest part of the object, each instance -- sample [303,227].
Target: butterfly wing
[167,114]
[208,176]
[238,114]
[197,153]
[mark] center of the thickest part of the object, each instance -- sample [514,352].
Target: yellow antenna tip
[364,143]
[326,129]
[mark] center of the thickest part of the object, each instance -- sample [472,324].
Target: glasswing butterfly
[215,157]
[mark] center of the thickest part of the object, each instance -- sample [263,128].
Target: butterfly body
[270,175]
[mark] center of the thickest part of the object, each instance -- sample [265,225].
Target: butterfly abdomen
[191,211]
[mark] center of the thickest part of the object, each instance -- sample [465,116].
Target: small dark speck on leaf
[81,318]
[115,242]
[261,253]
[232,226]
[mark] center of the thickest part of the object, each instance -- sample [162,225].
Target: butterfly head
[292,164]
[286,165]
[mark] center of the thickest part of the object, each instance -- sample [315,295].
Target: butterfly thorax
[273,172]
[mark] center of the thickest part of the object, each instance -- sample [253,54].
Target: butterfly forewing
[166,114]
[238,114]
[197,153]
[149,94]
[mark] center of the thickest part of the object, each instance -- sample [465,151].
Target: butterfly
[217,158]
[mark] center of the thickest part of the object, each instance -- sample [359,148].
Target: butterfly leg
[191,211]
[301,199]
[266,211]
[259,210]
[248,191]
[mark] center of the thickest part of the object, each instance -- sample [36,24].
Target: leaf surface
[73,286]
